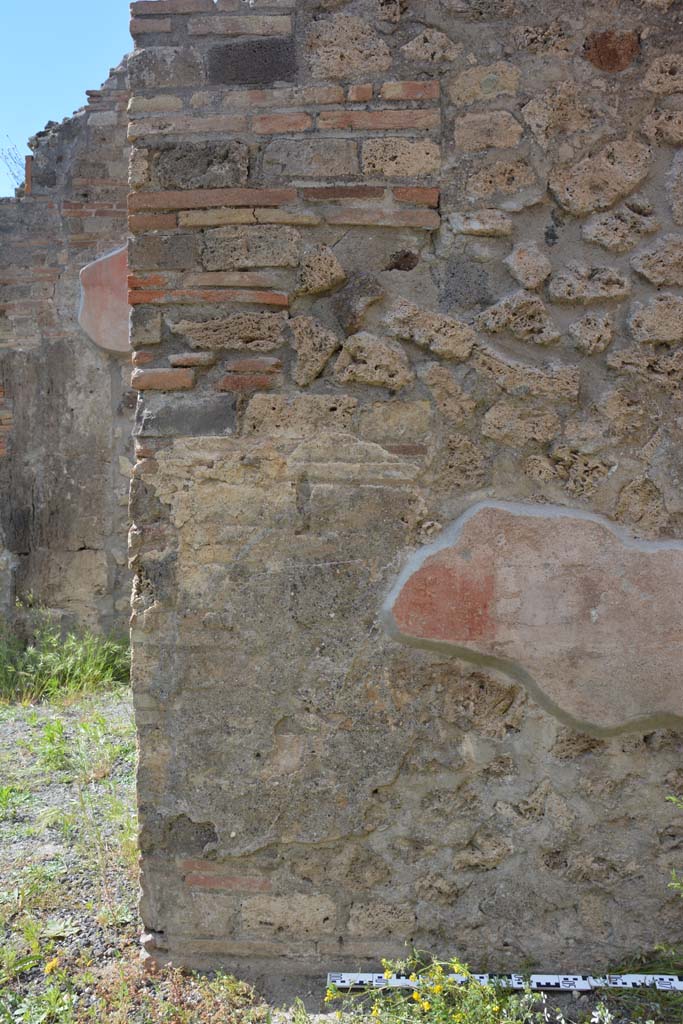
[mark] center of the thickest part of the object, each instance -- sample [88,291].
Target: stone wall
[393,261]
[65,406]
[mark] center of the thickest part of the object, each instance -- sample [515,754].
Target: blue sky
[51,51]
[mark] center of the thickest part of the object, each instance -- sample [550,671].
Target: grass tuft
[51,665]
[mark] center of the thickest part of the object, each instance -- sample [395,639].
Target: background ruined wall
[390,259]
[65,406]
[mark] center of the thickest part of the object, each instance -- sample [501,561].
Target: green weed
[53,664]
[11,799]
[641,1006]
[52,747]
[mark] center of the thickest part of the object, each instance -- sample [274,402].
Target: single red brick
[379,217]
[410,90]
[143,7]
[143,26]
[147,281]
[272,124]
[360,93]
[417,196]
[612,51]
[379,120]
[332,192]
[144,451]
[141,357]
[193,359]
[162,380]
[207,198]
[138,222]
[246,382]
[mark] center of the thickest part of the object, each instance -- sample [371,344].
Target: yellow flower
[437,988]
[416,997]
[426,1005]
[388,974]
[412,977]
[52,965]
[330,994]
[375,1011]
[338,1015]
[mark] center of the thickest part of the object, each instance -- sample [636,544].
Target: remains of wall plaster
[65,406]
[390,261]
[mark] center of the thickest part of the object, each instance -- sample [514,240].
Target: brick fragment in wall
[612,51]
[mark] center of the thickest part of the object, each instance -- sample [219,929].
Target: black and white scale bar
[345,981]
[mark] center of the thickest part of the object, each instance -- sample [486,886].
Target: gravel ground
[67,887]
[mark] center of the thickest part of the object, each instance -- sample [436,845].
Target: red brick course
[162,380]
[380,120]
[274,124]
[410,90]
[417,196]
[197,199]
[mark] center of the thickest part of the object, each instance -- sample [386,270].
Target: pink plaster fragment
[587,616]
[104,301]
